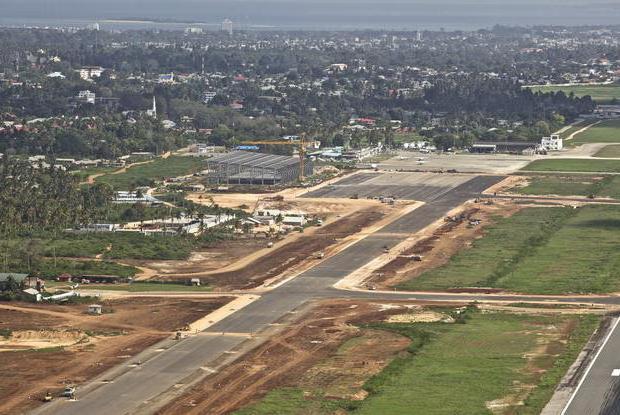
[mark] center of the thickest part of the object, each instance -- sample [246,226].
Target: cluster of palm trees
[38,198]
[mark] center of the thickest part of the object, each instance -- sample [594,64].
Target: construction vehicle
[69,392]
[301,145]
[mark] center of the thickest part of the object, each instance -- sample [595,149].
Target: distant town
[289,222]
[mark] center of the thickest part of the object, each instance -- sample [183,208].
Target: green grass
[85,173]
[606,132]
[289,401]
[538,251]
[578,126]
[463,366]
[452,369]
[123,245]
[572,185]
[537,400]
[574,165]
[599,93]
[50,268]
[159,169]
[612,151]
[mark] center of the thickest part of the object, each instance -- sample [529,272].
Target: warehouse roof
[245,158]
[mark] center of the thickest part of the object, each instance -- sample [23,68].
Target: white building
[291,218]
[227,26]
[208,96]
[87,96]
[193,30]
[553,143]
[153,111]
[56,75]
[135,197]
[90,72]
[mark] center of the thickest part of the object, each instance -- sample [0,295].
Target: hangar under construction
[244,167]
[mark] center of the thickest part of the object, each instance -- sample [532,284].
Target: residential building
[87,96]
[553,143]
[90,72]
[166,78]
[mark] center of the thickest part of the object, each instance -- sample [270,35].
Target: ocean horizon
[310,15]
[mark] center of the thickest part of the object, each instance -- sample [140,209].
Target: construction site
[44,349]
[244,167]
[306,306]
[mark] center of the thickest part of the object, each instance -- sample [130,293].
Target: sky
[392,14]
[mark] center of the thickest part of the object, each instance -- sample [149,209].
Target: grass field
[578,126]
[538,251]
[572,185]
[159,169]
[599,93]
[116,245]
[612,151]
[49,267]
[606,132]
[85,173]
[457,369]
[574,165]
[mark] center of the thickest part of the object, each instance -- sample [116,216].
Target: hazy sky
[388,13]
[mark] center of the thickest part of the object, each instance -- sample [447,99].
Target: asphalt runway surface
[599,390]
[133,390]
[424,187]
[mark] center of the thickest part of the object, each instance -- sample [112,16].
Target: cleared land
[539,251]
[396,359]
[571,185]
[46,347]
[574,165]
[293,254]
[605,132]
[599,93]
[147,173]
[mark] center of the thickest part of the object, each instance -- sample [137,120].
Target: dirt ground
[223,254]
[308,354]
[290,256]
[237,254]
[441,245]
[70,346]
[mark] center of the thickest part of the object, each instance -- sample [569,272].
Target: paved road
[599,390]
[553,199]
[133,388]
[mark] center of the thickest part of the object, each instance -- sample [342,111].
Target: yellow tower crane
[301,148]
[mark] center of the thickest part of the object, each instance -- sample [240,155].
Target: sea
[309,14]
